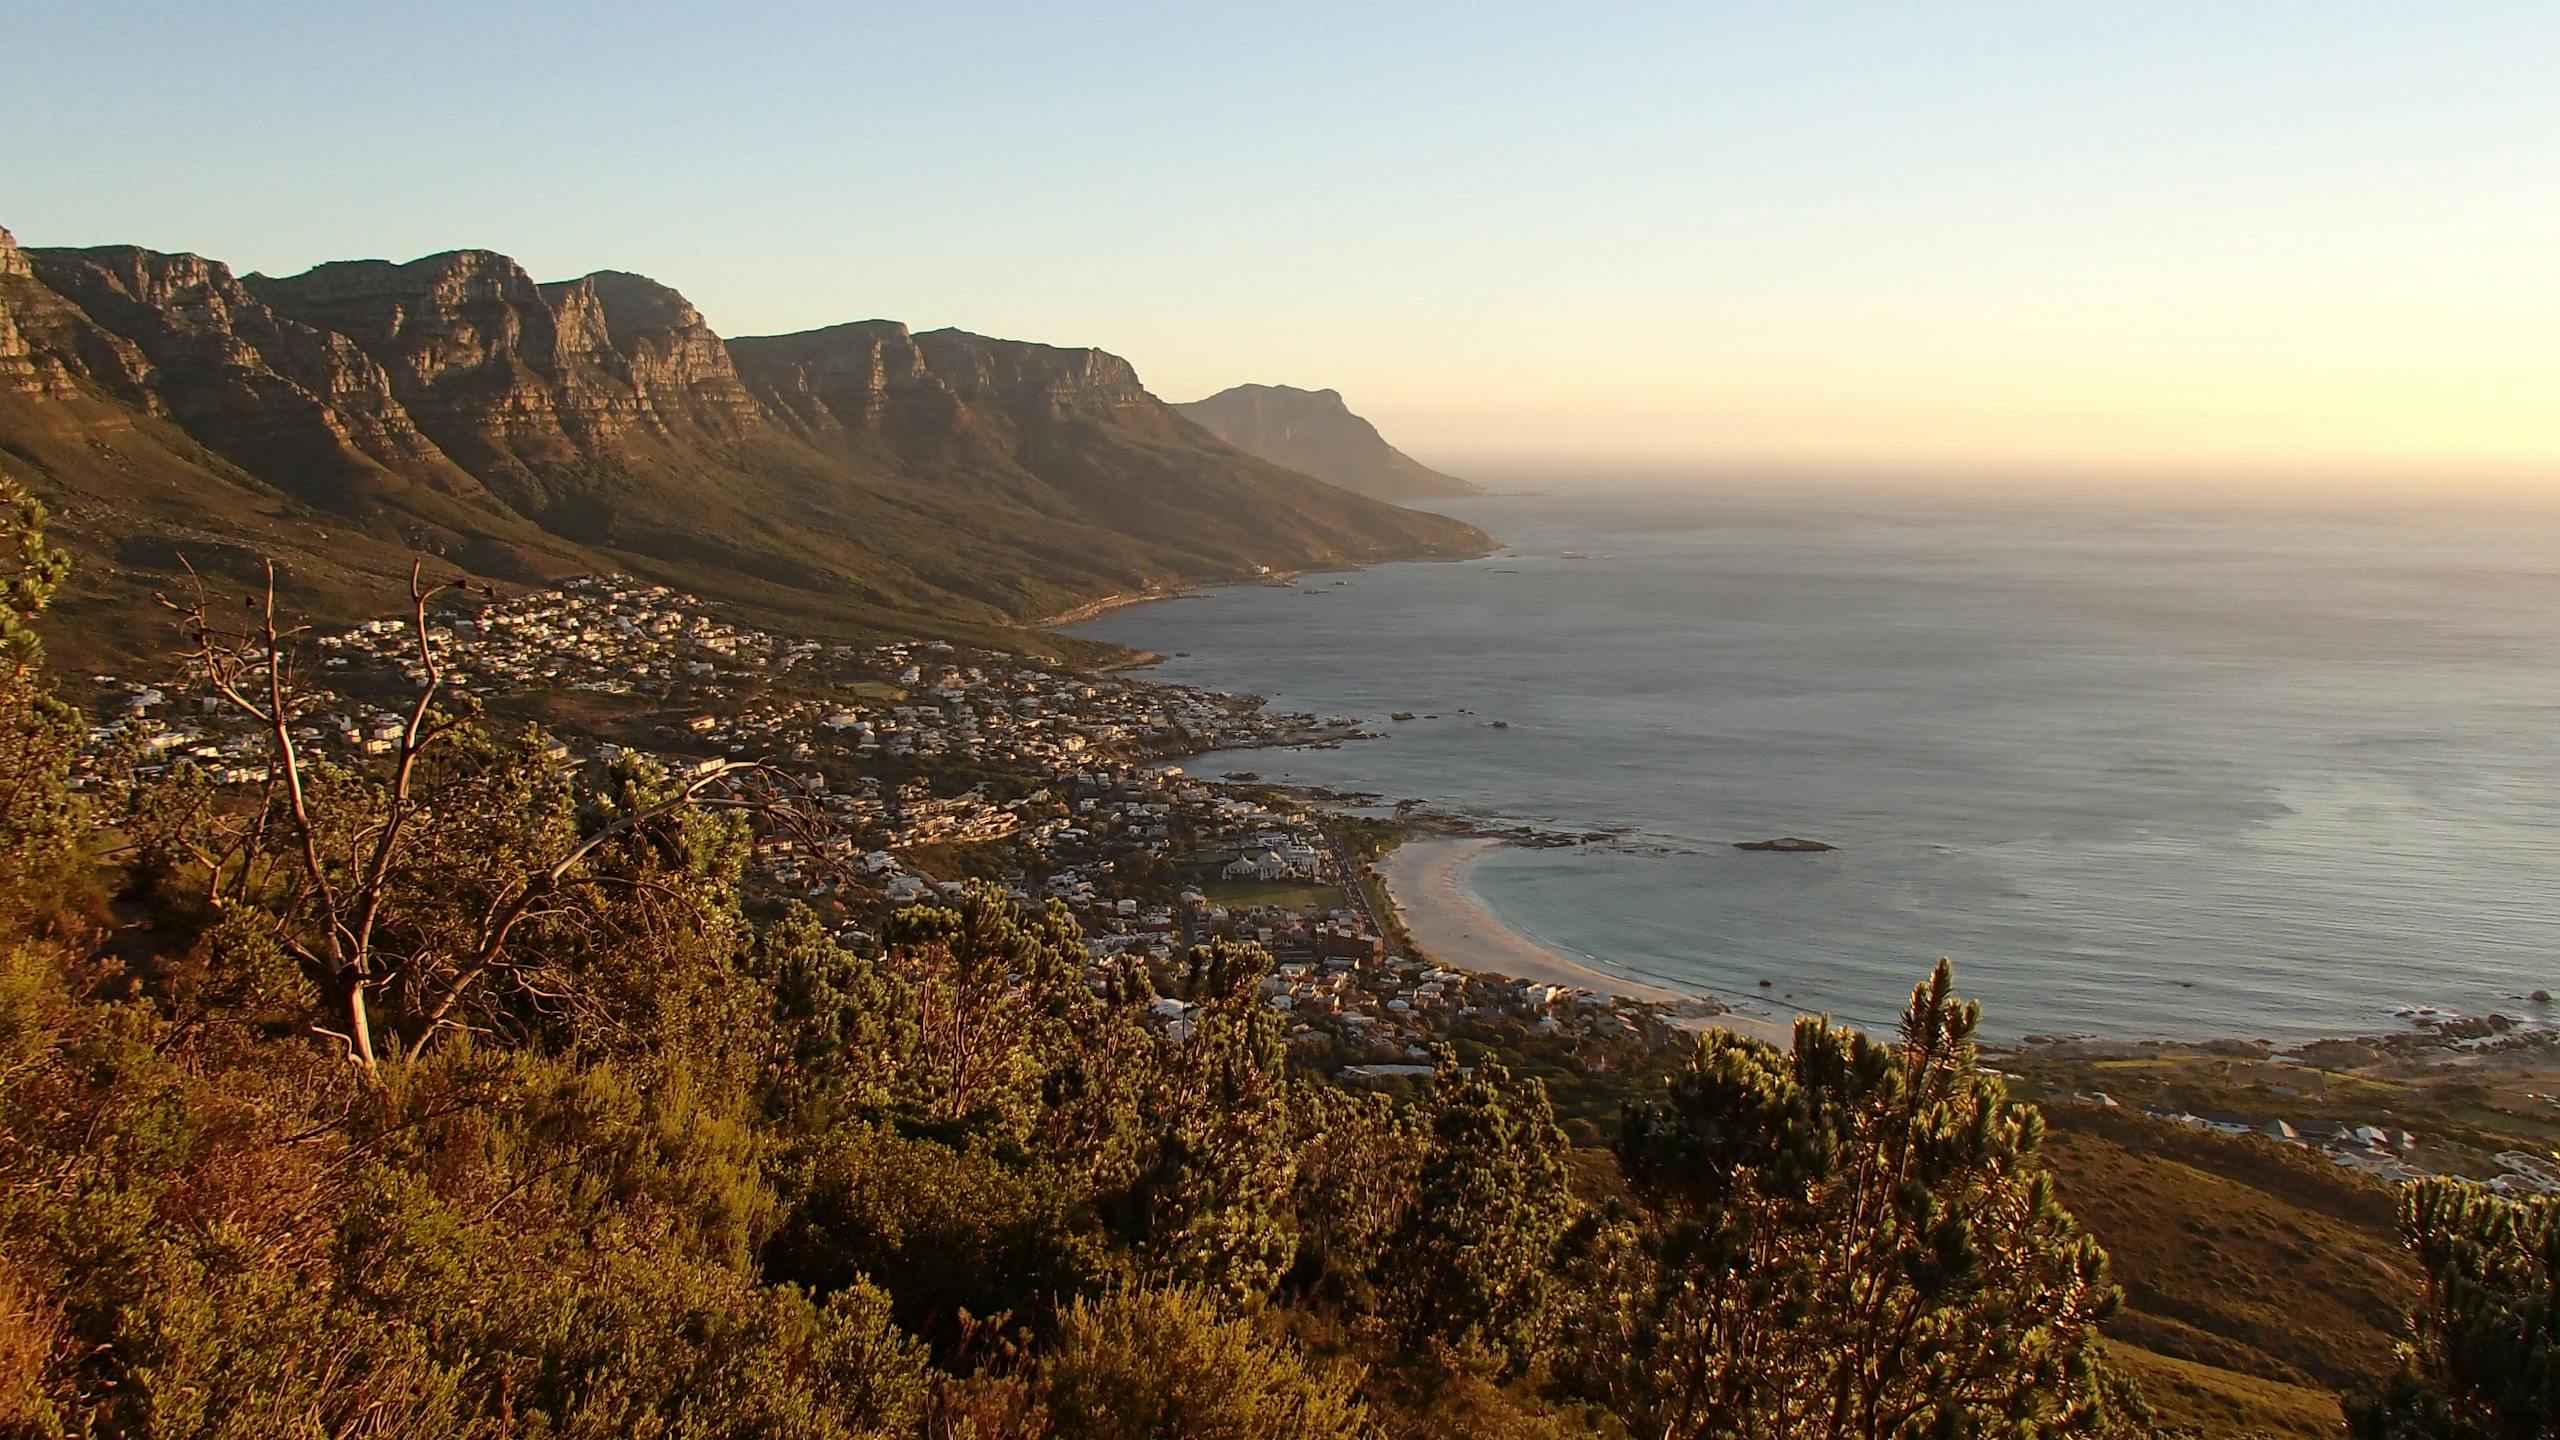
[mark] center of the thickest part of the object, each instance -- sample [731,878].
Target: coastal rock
[1786,844]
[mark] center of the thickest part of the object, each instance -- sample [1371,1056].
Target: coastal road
[1346,869]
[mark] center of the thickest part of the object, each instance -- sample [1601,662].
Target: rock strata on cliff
[308,406]
[47,347]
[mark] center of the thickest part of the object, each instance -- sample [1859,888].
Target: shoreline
[1276,579]
[1451,924]
[1108,603]
[1122,601]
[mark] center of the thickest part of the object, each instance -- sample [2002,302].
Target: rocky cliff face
[48,348]
[1042,380]
[455,405]
[17,363]
[265,390]
[663,350]
[874,377]
[845,380]
[1314,432]
[504,372]
[472,350]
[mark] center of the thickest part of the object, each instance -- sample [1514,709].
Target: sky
[2318,242]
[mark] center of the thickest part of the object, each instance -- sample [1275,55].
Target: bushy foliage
[1475,1257]
[1360,1164]
[1852,1238]
[955,1234]
[1162,1365]
[40,818]
[1209,1204]
[2483,1359]
[249,1244]
[459,1097]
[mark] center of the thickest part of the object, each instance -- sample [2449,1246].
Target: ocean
[2174,773]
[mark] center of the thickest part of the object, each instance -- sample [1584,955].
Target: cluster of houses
[206,732]
[1332,977]
[1052,780]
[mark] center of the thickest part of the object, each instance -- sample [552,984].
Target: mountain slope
[1314,432]
[853,479]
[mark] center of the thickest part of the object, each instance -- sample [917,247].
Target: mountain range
[1315,432]
[857,479]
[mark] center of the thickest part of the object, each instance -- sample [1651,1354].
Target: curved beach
[1426,880]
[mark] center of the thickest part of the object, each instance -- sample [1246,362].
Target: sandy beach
[1425,878]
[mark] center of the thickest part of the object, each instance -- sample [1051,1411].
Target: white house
[1258,865]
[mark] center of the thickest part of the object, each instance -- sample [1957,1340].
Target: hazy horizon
[2198,488]
[2304,246]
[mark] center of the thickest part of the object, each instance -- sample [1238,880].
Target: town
[932,765]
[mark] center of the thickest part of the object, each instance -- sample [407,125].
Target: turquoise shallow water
[2140,775]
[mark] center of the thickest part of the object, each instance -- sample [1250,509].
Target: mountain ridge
[854,478]
[1316,432]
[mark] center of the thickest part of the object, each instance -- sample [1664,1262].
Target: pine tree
[1163,1365]
[1850,1239]
[841,1024]
[1210,1205]
[2483,1360]
[1359,1167]
[41,818]
[1472,1264]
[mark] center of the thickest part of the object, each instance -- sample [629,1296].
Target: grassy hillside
[2259,1280]
[2221,1403]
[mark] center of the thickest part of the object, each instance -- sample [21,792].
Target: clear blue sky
[2304,237]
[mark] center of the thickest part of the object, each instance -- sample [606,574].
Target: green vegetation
[1468,1272]
[461,1097]
[1275,894]
[2484,1360]
[2465,1113]
[40,821]
[1854,1238]
[1140,1364]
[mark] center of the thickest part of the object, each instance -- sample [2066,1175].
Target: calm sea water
[2200,775]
